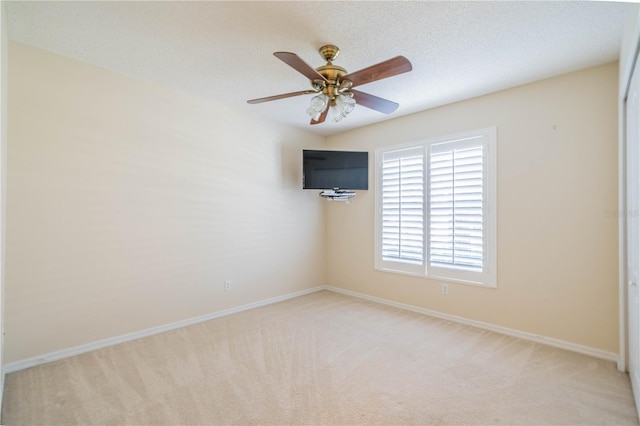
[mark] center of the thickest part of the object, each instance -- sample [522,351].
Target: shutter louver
[456,207]
[402,208]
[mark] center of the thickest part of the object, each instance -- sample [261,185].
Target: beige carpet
[323,358]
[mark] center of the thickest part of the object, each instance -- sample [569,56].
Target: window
[436,208]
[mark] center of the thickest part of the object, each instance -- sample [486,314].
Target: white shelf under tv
[337,194]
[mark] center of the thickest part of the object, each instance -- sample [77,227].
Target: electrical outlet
[227,285]
[445,288]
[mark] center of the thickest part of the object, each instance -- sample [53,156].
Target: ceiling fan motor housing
[333,73]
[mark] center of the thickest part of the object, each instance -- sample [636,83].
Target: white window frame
[488,276]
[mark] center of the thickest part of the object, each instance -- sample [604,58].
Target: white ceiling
[223,50]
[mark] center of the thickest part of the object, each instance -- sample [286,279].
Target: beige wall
[128,205]
[557,179]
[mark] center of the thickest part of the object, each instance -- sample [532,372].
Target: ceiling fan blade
[276,97]
[322,117]
[295,62]
[374,102]
[388,68]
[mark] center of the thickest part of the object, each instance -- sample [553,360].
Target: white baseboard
[77,350]
[585,350]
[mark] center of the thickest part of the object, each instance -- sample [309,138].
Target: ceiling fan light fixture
[342,106]
[345,85]
[318,105]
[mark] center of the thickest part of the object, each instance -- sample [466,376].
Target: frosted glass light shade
[343,106]
[318,105]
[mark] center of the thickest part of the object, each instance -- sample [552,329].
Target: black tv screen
[348,170]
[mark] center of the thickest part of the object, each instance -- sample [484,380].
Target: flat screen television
[344,170]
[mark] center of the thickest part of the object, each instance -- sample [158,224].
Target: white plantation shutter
[402,187]
[456,205]
[436,207]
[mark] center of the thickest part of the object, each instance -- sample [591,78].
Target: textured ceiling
[223,50]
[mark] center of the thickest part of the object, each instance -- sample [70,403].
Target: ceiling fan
[333,86]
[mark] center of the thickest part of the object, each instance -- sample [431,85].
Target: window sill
[438,278]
